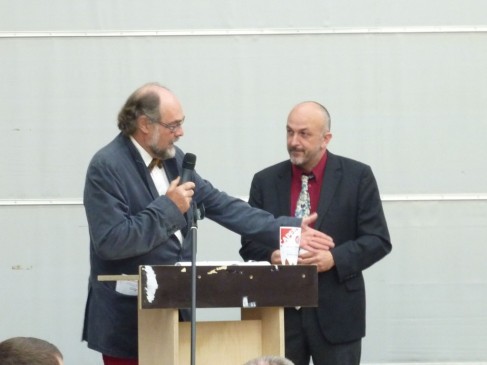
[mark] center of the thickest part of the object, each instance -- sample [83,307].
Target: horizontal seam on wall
[385,198]
[245,32]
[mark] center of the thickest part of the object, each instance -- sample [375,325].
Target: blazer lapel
[331,178]
[141,167]
[283,187]
[171,168]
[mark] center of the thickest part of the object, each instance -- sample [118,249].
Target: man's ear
[326,139]
[143,123]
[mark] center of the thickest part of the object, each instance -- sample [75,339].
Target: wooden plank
[272,320]
[225,342]
[158,337]
[230,286]
[118,277]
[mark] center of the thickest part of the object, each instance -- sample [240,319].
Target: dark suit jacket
[131,225]
[350,211]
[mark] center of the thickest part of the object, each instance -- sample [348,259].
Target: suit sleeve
[372,240]
[116,230]
[253,249]
[238,216]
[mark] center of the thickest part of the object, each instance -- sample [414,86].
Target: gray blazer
[131,225]
[350,211]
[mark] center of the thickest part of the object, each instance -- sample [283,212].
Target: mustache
[294,149]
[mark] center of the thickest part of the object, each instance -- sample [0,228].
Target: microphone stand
[197,214]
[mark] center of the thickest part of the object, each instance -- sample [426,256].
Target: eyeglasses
[173,126]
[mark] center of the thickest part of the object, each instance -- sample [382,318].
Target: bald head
[308,134]
[312,110]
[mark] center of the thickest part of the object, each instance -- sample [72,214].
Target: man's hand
[314,247]
[276,257]
[313,240]
[322,259]
[181,195]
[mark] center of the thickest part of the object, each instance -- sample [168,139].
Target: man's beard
[164,154]
[297,160]
[159,153]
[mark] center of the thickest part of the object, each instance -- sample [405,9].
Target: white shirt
[158,175]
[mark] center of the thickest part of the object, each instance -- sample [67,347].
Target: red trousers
[108,360]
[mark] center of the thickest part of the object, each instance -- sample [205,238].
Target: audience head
[29,351]
[269,360]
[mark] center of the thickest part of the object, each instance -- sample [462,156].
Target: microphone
[189,161]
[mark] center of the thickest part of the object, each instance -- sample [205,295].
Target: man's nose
[294,140]
[179,132]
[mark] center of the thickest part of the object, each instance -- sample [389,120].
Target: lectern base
[163,340]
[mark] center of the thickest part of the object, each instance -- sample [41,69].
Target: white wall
[405,83]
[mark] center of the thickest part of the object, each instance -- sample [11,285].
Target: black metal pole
[194,230]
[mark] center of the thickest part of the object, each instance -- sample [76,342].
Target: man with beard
[345,195]
[139,214]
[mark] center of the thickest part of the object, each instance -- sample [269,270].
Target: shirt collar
[143,153]
[317,171]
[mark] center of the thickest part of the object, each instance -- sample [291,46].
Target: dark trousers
[305,341]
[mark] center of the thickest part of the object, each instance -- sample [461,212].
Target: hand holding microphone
[189,161]
[181,189]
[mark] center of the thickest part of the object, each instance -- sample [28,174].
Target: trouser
[305,341]
[109,360]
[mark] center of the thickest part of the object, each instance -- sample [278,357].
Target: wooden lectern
[260,290]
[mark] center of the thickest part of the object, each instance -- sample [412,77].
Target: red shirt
[314,184]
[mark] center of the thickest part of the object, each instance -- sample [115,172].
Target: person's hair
[269,360]
[28,351]
[143,101]
[326,115]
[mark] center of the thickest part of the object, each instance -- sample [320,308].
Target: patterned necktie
[303,206]
[155,162]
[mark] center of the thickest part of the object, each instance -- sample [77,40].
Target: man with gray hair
[346,197]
